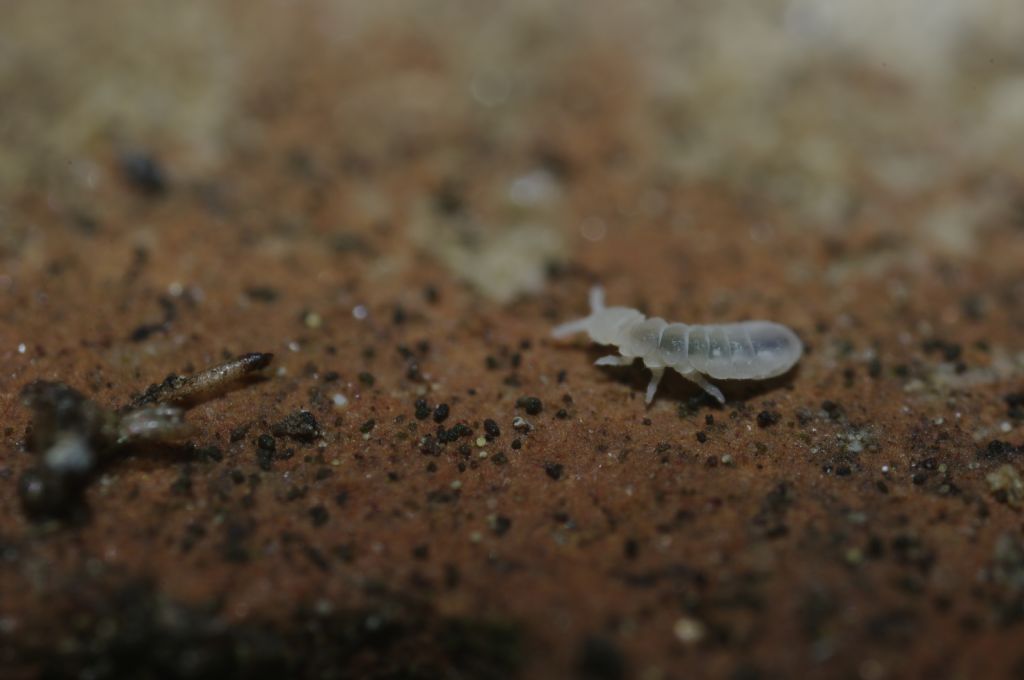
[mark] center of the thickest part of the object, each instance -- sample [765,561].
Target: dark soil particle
[367,378]
[264,294]
[998,450]
[441,413]
[144,173]
[367,427]
[266,449]
[554,470]
[532,405]
[600,659]
[1015,405]
[491,429]
[702,437]
[834,410]
[501,525]
[319,516]
[770,521]
[300,426]
[768,418]
[237,434]
[47,495]
[422,409]
[949,351]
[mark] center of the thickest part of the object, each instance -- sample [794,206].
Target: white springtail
[749,350]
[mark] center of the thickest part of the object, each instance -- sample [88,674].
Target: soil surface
[422,483]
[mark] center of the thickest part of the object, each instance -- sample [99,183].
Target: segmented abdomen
[747,350]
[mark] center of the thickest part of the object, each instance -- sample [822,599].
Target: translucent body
[749,350]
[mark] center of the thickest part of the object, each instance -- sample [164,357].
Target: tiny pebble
[688,630]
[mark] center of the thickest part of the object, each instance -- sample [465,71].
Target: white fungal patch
[749,350]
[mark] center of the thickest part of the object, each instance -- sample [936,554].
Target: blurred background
[902,119]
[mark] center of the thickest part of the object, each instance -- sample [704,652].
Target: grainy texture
[399,200]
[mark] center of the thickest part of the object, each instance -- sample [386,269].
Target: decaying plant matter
[74,436]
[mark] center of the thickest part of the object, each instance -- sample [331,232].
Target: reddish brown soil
[836,522]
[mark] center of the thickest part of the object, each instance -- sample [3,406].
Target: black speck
[950,351]
[47,495]
[770,521]
[532,405]
[1001,451]
[441,413]
[834,410]
[1015,405]
[429,446]
[702,437]
[144,173]
[295,493]
[554,470]
[182,486]
[422,409]
[459,430]
[501,525]
[367,378]
[318,514]
[300,426]
[238,433]
[368,426]
[562,414]
[261,293]
[768,418]
[517,444]
[208,454]
[266,447]
[491,429]
[448,198]
[600,659]
[145,330]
